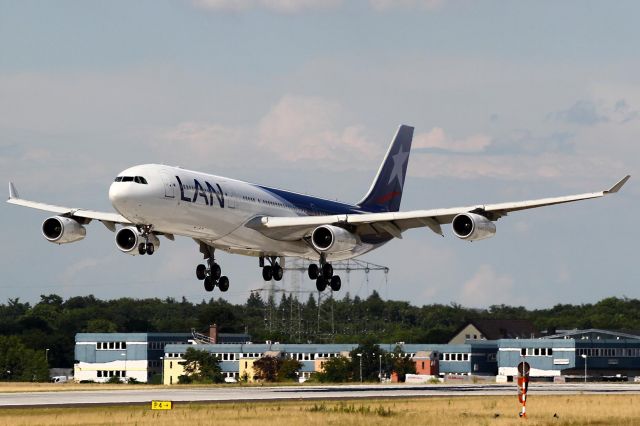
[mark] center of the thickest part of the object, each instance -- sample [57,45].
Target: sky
[509,100]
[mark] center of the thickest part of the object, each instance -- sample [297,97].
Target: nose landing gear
[147,246]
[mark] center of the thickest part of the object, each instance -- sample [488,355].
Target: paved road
[223,394]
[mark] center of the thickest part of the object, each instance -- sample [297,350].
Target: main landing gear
[273,270]
[211,273]
[323,275]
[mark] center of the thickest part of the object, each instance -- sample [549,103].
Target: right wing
[108,219]
[394,223]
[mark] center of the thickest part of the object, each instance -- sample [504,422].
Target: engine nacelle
[472,227]
[62,230]
[128,239]
[333,239]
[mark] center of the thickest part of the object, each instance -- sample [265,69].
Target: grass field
[459,411]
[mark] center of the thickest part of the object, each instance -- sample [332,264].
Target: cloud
[436,139]
[486,287]
[298,6]
[524,141]
[306,128]
[583,112]
[280,6]
[382,5]
[623,112]
[590,113]
[294,129]
[78,269]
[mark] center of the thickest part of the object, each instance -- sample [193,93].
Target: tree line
[52,322]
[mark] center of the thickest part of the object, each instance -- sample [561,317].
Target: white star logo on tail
[399,160]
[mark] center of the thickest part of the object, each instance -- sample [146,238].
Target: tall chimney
[213,333]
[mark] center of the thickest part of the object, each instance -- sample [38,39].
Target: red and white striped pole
[523,386]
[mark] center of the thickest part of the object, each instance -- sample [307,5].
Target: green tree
[21,364]
[200,367]
[288,370]
[336,370]
[266,368]
[402,365]
[369,354]
[273,369]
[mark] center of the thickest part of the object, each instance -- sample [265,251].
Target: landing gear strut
[273,270]
[323,275]
[146,247]
[211,274]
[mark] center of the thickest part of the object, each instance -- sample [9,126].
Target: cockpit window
[136,179]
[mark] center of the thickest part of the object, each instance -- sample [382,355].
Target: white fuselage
[213,209]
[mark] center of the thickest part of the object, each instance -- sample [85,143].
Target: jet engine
[333,239]
[472,227]
[62,230]
[128,240]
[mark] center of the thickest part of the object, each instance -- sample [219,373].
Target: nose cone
[118,196]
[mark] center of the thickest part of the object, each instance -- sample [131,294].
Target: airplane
[220,213]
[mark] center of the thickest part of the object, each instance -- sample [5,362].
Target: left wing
[108,219]
[394,223]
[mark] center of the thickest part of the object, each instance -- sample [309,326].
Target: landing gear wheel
[336,283]
[142,249]
[267,273]
[209,284]
[223,284]
[313,271]
[216,271]
[327,270]
[150,249]
[277,272]
[321,283]
[201,272]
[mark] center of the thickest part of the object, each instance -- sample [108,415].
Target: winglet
[12,191]
[615,188]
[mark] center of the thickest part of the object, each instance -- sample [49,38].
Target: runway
[243,394]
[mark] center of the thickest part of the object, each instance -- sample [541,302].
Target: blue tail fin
[385,193]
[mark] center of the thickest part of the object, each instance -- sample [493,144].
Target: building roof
[494,329]
[594,333]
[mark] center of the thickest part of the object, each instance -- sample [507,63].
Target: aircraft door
[169,186]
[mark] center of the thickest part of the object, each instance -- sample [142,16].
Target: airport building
[573,355]
[101,356]
[607,355]
[138,356]
[237,361]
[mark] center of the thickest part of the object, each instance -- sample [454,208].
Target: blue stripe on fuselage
[318,206]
